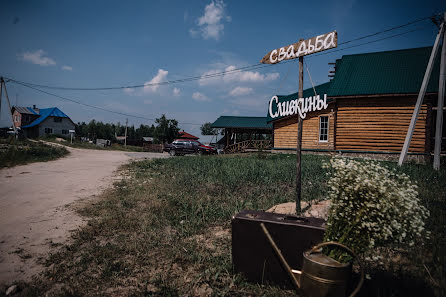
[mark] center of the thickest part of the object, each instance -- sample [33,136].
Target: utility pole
[299,141]
[3,85]
[440,104]
[125,137]
[420,98]
[1,89]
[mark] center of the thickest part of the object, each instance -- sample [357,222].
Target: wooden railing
[243,146]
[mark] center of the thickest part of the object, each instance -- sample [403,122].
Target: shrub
[372,207]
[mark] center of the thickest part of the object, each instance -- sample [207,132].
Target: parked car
[183,146]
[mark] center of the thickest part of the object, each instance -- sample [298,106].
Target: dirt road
[35,212]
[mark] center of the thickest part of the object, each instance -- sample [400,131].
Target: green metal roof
[389,72]
[320,90]
[241,122]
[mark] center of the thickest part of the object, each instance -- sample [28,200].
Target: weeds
[165,230]
[21,152]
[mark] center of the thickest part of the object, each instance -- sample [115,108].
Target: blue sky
[119,43]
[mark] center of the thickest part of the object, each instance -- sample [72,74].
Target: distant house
[148,140]
[36,122]
[185,135]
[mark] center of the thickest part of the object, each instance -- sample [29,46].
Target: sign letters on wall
[299,106]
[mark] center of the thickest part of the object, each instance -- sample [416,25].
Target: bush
[372,207]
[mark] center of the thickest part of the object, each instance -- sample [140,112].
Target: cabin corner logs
[360,124]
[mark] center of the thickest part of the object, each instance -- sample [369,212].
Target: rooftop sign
[302,48]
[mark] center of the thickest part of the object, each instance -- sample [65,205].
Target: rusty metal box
[252,254]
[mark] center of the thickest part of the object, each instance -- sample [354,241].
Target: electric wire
[96,107]
[388,30]
[241,69]
[361,44]
[232,71]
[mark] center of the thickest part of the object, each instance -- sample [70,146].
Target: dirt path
[35,214]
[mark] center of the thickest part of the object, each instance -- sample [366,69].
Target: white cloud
[158,78]
[243,76]
[129,91]
[231,111]
[148,101]
[197,96]
[67,68]
[37,57]
[176,92]
[240,91]
[211,23]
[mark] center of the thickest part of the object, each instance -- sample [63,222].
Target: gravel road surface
[36,200]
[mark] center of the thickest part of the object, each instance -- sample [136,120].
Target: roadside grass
[92,146]
[164,229]
[18,152]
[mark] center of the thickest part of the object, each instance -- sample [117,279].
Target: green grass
[92,146]
[164,230]
[19,152]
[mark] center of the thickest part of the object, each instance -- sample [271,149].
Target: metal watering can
[321,276]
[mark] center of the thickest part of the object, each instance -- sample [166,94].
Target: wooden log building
[370,104]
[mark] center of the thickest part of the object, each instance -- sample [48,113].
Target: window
[48,130]
[323,129]
[57,120]
[64,131]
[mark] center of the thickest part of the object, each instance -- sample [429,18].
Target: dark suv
[181,147]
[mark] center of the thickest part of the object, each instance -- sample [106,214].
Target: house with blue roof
[35,122]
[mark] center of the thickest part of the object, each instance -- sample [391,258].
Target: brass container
[322,276]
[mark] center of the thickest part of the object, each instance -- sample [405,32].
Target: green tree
[166,130]
[207,130]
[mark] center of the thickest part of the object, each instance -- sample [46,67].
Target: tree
[166,130]
[207,130]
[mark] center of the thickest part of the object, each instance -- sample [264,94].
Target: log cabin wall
[285,132]
[379,124]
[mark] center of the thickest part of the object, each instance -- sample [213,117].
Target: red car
[182,147]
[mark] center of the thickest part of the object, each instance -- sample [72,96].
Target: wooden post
[125,133]
[299,141]
[440,104]
[423,88]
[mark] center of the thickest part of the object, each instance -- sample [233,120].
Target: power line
[246,68]
[388,30]
[361,44]
[233,71]
[206,76]
[93,106]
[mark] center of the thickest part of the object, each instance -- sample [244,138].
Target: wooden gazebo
[241,133]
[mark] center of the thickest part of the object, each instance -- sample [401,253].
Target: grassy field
[19,152]
[86,145]
[164,230]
